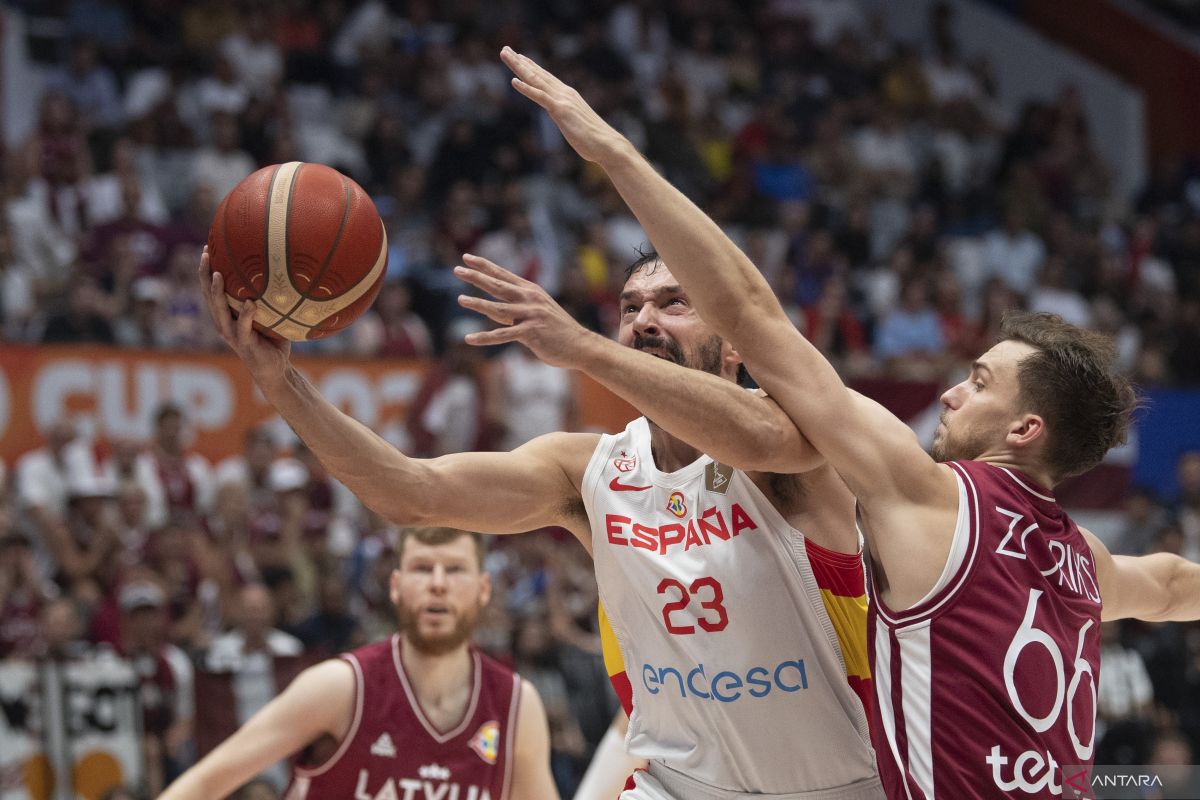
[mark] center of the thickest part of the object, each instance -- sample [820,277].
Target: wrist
[274,383]
[593,353]
[618,155]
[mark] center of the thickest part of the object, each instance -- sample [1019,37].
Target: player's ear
[1026,429]
[731,360]
[485,589]
[394,587]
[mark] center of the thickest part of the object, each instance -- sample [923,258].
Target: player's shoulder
[331,682]
[569,451]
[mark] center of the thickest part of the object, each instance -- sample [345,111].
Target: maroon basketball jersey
[393,752]
[987,687]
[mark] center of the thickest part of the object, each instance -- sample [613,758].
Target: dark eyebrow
[979,366]
[674,288]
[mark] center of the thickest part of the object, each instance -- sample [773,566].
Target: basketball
[306,243]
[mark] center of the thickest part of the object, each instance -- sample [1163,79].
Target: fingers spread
[495,270]
[498,336]
[496,312]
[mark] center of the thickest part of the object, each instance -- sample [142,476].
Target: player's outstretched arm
[877,455]
[531,487]
[531,778]
[611,766]
[319,701]
[1160,587]
[735,427]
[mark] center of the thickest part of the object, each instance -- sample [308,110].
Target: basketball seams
[306,295]
[286,316]
[233,263]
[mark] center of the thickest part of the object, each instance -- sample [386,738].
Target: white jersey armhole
[958,545]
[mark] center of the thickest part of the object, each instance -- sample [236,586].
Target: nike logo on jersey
[383,746]
[616,485]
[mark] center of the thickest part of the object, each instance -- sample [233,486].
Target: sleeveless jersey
[732,640]
[987,687]
[393,752]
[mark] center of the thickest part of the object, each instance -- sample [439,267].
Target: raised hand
[529,315]
[592,137]
[266,358]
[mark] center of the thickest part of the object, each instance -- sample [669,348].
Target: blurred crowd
[895,206]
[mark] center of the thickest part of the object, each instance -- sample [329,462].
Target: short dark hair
[1072,382]
[439,536]
[647,257]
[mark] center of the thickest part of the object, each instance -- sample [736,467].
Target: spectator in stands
[224,164]
[251,468]
[85,549]
[166,676]
[91,86]
[23,596]
[1124,691]
[912,333]
[144,327]
[253,55]
[248,651]
[44,475]
[1014,253]
[391,329]
[185,476]
[84,320]
[528,398]
[332,628]
[448,414]
[60,632]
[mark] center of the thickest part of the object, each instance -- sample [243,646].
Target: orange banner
[114,393]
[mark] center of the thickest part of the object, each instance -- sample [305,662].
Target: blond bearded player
[422,714]
[987,598]
[732,578]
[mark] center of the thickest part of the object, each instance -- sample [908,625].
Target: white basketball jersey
[739,655]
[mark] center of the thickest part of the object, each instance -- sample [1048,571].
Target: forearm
[714,415]
[381,476]
[1182,589]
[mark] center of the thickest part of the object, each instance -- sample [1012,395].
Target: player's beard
[958,445]
[707,357]
[440,644]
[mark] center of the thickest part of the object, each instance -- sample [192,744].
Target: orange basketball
[306,243]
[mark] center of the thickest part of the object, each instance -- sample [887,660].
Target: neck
[670,453]
[436,677]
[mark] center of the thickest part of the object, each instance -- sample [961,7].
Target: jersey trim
[642,442]
[359,691]
[511,732]
[916,690]
[419,713]
[883,698]
[1026,486]
[932,603]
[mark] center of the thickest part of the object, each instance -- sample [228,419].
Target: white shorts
[663,783]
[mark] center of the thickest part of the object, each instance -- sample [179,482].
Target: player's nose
[952,397]
[646,322]
[437,580]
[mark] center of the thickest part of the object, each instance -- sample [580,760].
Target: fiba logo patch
[676,505]
[486,741]
[717,477]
